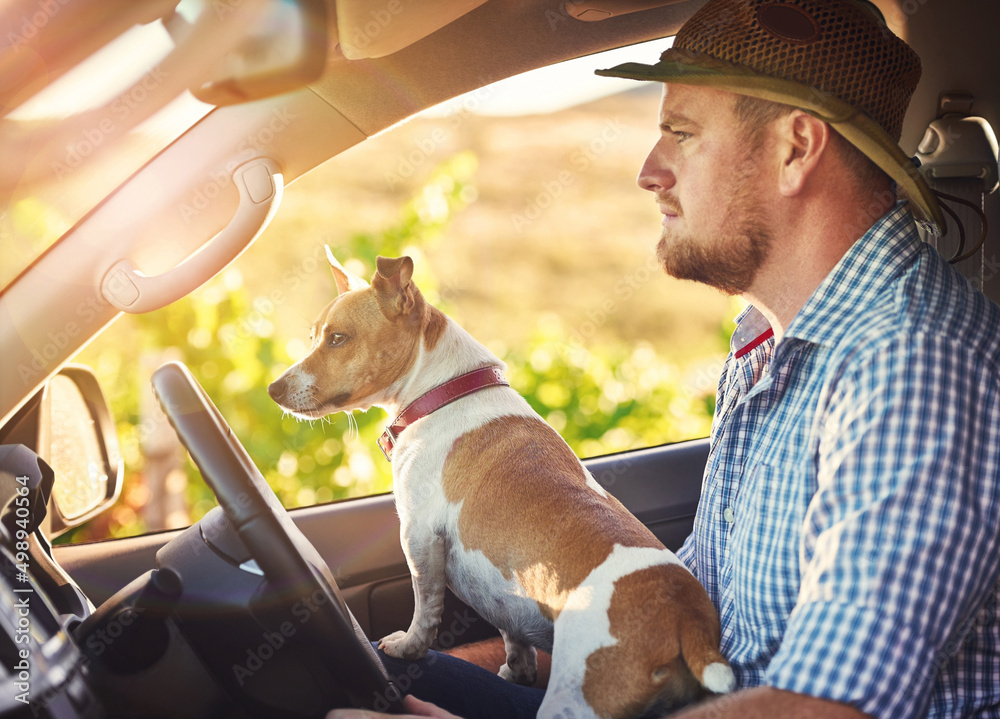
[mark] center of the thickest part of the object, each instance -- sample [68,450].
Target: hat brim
[686,68]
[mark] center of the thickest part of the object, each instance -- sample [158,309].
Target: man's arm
[897,558]
[770,703]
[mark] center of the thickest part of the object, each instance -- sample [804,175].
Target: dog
[493,503]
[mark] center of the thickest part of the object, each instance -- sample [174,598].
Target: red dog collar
[436,399]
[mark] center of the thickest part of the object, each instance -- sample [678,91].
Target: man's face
[708,187]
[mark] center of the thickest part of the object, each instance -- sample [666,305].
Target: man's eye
[679,136]
[336,339]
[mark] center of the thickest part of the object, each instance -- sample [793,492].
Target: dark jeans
[464,689]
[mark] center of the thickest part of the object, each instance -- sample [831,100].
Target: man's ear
[802,140]
[344,279]
[393,286]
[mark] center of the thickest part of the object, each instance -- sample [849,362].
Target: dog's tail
[700,648]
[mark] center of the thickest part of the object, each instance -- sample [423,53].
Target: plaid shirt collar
[872,263]
[863,273]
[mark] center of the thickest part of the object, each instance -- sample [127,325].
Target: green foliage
[608,399]
[600,399]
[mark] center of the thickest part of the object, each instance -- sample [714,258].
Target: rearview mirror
[284,47]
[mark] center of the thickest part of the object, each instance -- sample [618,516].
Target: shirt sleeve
[900,542]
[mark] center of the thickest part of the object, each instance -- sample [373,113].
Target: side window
[525,225]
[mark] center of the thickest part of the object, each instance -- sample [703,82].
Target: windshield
[525,226]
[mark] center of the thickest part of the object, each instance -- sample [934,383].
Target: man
[848,527]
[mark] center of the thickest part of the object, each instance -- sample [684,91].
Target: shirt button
[729,515]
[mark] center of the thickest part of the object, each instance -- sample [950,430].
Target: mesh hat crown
[835,59]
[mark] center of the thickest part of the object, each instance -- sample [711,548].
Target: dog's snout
[277,389]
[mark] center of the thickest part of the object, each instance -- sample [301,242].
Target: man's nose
[656,174]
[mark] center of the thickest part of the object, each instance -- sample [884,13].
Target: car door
[359,539]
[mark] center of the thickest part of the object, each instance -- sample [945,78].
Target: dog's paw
[403,646]
[525,675]
[523,670]
[522,662]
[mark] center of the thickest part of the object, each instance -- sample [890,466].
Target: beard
[730,260]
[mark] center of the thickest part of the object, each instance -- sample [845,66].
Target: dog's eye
[336,339]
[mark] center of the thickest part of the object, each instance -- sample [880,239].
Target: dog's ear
[392,282]
[389,268]
[344,279]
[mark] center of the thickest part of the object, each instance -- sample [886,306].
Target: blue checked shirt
[849,524]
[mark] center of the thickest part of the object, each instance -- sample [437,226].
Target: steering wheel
[290,563]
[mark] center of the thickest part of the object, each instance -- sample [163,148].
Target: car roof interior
[432,52]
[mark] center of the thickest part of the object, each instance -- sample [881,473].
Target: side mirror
[78,440]
[69,425]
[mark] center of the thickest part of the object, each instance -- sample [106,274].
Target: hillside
[557,226]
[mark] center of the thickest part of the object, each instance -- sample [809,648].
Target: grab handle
[260,185]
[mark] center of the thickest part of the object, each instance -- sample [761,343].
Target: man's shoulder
[931,302]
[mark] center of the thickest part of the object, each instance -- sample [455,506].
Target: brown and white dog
[493,503]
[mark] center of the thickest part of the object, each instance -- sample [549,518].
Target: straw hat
[835,59]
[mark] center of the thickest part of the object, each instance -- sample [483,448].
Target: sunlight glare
[554,88]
